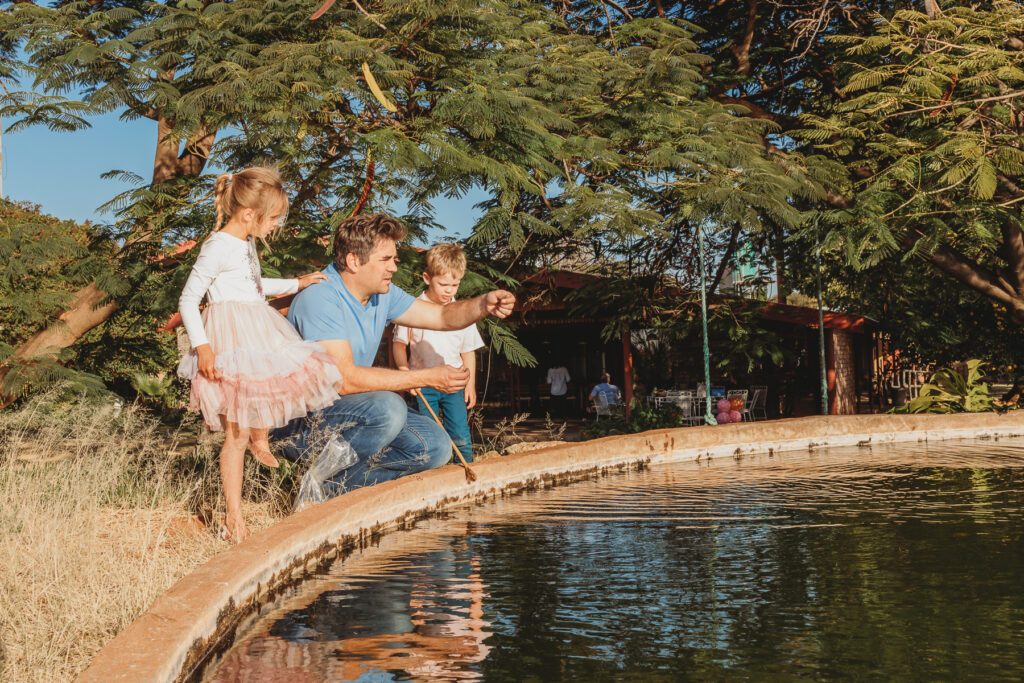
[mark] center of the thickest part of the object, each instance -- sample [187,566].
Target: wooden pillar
[627,372]
[830,365]
[515,388]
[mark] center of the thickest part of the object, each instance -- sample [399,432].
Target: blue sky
[61,171]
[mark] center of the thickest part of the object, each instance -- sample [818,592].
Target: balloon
[736,403]
[735,416]
[723,405]
[722,417]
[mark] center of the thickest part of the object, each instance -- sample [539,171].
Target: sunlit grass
[101,510]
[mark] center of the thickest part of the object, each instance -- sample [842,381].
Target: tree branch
[622,10]
[997,98]
[197,151]
[741,51]
[977,277]
[757,111]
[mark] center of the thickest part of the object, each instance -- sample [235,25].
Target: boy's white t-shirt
[430,348]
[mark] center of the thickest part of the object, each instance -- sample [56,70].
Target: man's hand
[499,303]
[447,379]
[207,362]
[470,396]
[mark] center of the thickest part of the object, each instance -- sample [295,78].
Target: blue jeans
[389,439]
[451,408]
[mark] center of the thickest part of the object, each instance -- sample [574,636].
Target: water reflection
[413,618]
[885,562]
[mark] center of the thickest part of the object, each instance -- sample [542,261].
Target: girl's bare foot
[235,530]
[260,447]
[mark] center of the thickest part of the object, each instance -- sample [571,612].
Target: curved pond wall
[198,617]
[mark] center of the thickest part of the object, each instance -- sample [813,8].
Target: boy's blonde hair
[258,188]
[446,257]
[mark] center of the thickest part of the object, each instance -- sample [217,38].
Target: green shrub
[949,392]
[641,420]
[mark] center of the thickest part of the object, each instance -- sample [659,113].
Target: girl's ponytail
[220,198]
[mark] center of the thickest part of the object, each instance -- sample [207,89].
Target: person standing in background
[558,378]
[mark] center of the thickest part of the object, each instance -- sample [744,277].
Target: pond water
[882,562]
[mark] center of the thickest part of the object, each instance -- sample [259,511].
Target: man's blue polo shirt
[327,310]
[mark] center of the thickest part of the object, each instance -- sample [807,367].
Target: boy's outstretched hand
[499,303]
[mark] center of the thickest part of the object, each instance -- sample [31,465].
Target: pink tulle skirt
[269,374]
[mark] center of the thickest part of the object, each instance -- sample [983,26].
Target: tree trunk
[84,313]
[168,163]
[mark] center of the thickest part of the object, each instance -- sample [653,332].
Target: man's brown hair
[446,257]
[359,235]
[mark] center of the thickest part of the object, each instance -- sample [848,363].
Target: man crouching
[347,314]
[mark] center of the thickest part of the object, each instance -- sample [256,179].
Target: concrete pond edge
[196,619]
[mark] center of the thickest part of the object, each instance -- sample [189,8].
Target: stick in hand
[470,474]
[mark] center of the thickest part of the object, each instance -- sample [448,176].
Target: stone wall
[198,616]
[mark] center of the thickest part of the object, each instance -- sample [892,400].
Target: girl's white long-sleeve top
[227,269]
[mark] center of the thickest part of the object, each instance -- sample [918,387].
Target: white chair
[601,405]
[690,406]
[682,400]
[675,395]
[737,393]
[756,404]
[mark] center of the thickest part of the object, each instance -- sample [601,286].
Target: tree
[708,166]
[575,130]
[931,137]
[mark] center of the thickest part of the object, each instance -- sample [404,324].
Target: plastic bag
[337,455]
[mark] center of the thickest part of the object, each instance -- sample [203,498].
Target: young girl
[249,369]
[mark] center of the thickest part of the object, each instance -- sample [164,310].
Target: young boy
[415,349]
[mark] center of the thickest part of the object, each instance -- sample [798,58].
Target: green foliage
[930,132]
[43,261]
[579,132]
[739,343]
[41,266]
[642,419]
[158,390]
[931,320]
[604,140]
[950,392]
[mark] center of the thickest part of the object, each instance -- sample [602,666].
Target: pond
[899,561]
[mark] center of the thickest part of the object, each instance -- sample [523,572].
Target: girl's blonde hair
[258,188]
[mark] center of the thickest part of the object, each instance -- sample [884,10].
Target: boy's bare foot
[260,447]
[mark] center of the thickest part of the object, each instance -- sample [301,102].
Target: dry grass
[101,510]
